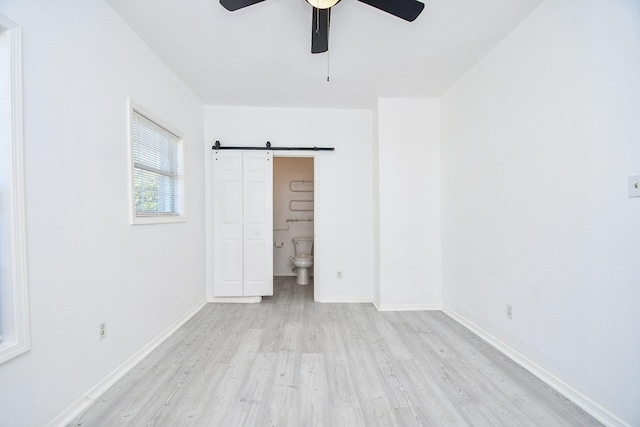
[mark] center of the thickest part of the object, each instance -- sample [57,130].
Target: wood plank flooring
[289,361]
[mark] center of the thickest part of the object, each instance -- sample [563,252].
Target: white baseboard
[407,307]
[237,300]
[339,300]
[588,405]
[84,402]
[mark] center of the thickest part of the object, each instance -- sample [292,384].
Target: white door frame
[312,155]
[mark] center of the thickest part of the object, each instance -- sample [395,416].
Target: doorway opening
[293,217]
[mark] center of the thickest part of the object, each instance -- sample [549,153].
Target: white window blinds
[156,168]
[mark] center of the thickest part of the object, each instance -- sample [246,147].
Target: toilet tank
[303,245]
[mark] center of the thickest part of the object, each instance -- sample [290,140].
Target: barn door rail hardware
[268,146]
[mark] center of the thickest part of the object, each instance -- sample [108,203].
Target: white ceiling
[260,55]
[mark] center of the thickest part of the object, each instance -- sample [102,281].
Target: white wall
[87,264]
[408,181]
[286,170]
[538,141]
[343,191]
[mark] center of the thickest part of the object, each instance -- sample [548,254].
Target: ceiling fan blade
[237,4]
[405,9]
[320,30]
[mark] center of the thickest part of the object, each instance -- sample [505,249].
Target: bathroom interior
[293,222]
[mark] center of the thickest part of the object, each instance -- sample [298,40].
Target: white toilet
[303,259]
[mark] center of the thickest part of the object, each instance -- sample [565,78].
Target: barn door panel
[258,223]
[243,223]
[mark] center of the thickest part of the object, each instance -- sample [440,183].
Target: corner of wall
[376,209]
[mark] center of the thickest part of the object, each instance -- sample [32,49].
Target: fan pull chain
[328,28]
[327,66]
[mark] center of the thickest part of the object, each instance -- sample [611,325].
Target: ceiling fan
[404,9]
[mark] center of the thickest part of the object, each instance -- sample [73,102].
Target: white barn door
[242,223]
[258,223]
[227,224]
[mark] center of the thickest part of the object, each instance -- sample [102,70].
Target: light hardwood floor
[289,361]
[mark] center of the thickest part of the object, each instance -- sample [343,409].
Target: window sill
[169,219]
[12,349]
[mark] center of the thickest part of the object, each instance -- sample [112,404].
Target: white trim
[343,300]
[236,300]
[294,153]
[318,284]
[588,405]
[21,343]
[90,397]
[407,307]
[160,219]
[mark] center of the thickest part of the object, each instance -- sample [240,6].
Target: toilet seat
[303,260]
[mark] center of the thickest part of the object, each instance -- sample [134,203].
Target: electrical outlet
[339,274]
[102,330]
[509,311]
[634,186]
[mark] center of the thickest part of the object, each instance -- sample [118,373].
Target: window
[157,178]
[14,319]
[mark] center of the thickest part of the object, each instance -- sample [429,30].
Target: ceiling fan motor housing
[323,4]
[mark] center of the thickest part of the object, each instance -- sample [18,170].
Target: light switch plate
[634,186]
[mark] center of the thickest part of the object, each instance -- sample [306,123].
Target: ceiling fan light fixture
[322,4]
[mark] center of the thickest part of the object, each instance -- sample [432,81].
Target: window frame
[158,218]
[17,290]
